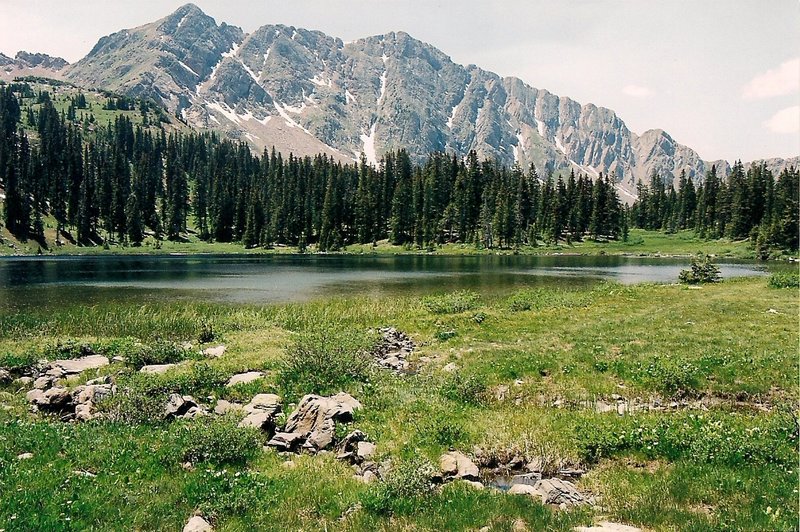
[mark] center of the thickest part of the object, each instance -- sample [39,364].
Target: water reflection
[282,278]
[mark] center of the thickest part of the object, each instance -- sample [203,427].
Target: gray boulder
[314,420]
[182,406]
[286,441]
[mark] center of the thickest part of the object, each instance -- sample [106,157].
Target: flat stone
[529,478]
[157,368]
[79,365]
[214,352]
[198,524]
[223,407]
[264,402]
[244,378]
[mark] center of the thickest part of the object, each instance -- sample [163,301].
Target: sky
[720,76]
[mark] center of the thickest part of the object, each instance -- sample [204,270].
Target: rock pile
[392,353]
[78,404]
[312,425]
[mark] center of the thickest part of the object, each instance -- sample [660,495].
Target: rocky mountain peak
[307,92]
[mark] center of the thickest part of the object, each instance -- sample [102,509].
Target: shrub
[326,359]
[19,362]
[217,441]
[784,280]
[702,271]
[404,490]
[452,303]
[464,389]
[672,377]
[141,397]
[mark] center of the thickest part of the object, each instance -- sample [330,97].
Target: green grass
[730,466]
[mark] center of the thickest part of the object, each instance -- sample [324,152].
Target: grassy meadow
[529,369]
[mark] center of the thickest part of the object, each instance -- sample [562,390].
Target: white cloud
[785,121]
[774,82]
[637,91]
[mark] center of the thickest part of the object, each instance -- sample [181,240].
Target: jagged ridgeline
[306,92]
[138,175]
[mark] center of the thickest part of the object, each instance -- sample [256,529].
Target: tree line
[750,203]
[120,182]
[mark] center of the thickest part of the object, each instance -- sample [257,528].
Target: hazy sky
[720,76]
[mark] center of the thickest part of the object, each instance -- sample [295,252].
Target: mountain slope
[306,92]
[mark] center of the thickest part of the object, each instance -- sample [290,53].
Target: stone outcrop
[198,524]
[183,406]
[312,425]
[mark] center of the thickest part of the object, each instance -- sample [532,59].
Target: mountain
[307,92]
[31,64]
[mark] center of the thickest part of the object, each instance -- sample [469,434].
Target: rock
[314,420]
[321,437]
[529,478]
[35,396]
[473,483]
[157,368]
[214,352]
[286,441]
[106,379]
[261,412]
[523,489]
[92,393]
[25,456]
[223,407]
[75,366]
[181,406]
[557,491]
[198,524]
[24,381]
[393,350]
[450,368]
[5,376]
[264,402]
[457,465]
[259,420]
[84,412]
[365,450]
[43,383]
[118,359]
[244,378]
[57,397]
[606,526]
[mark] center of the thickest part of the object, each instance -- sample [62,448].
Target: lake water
[291,278]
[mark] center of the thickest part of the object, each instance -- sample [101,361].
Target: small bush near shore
[784,280]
